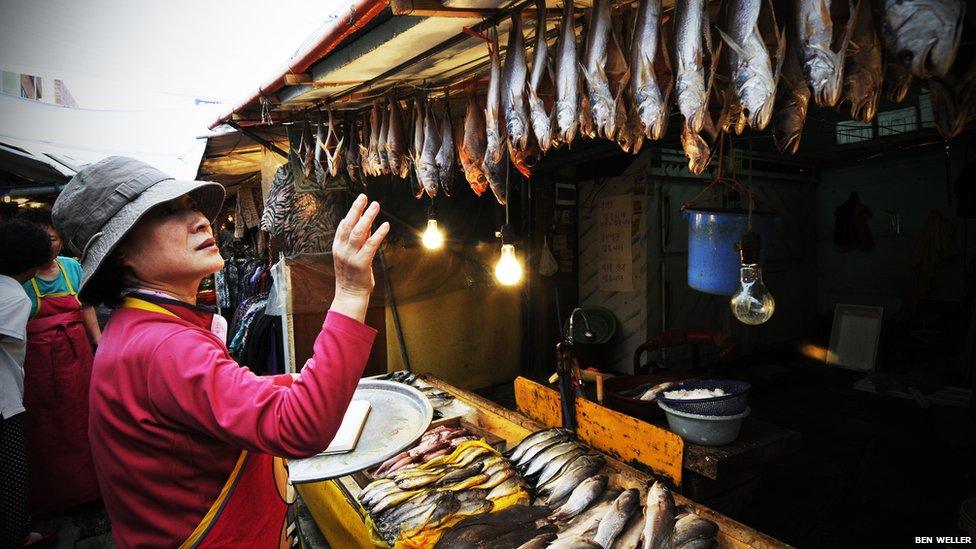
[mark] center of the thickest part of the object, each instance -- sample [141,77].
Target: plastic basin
[704,430]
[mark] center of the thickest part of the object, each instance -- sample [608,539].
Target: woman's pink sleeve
[194,383]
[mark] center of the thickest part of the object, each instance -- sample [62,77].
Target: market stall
[635,166]
[339,513]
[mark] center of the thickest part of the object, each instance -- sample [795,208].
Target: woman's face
[172,244]
[55,241]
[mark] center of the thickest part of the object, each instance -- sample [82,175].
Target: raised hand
[352,251]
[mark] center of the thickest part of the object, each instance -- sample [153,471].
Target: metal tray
[399,415]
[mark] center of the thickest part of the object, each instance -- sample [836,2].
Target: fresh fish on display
[690,527]
[427,172]
[557,464]
[445,156]
[658,518]
[691,91]
[586,523]
[754,72]
[646,47]
[471,146]
[396,145]
[538,542]
[897,82]
[923,35]
[514,75]
[559,488]
[381,146]
[516,453]
[539,115]
[582,496]
[630,537]
[823,48]
[793,100]
[535,448]
[495,168]
[567,106]
[547,455]
[574,543]
[864,69]
[616,517]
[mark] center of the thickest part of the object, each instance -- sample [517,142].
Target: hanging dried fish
[396,145]
[717,117]
[427,172]
[514,74]
[792,98]
[445,156]
[494,164]
[539,115]
[650,103]
[690,25]
[601,99]
[617,71]
[331,144]
[954,95]
[567,107]
[823,48]
[863,69]
[923,35]
[754,73]
[417,143]
[371,152]
[352,150]
[471,146]
[381,146]
[897,82]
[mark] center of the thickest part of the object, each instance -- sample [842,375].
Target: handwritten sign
[613,227]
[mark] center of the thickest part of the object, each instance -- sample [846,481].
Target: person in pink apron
[57,372]
[188,445]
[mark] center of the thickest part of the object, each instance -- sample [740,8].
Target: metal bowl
[704,430]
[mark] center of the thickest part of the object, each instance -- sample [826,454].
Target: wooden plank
[514,426]
[758,443]
[296,79]
[619,435]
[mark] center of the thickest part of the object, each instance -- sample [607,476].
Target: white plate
[400,414]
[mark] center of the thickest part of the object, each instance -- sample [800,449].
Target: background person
[175,422]
[58,366]
[23,248]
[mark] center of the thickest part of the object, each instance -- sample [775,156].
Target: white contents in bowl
[684,394]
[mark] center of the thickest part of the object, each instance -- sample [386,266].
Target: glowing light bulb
[433,238]
[508,270]
[752,303]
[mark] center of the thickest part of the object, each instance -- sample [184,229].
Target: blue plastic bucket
[713,261]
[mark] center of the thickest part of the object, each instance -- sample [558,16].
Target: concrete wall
[457,324]
[910,183]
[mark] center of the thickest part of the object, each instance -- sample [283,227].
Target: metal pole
[391,300]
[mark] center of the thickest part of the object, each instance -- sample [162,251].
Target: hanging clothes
[57,374]
[302,217]
[851,231]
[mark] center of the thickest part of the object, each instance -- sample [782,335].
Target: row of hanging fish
[749,67]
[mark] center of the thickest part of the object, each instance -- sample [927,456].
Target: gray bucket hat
[102,203]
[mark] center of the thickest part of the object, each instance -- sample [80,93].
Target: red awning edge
[359,13]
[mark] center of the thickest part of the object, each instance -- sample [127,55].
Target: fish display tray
[498,443]
[400,414]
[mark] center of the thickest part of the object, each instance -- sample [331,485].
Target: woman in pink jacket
[186,443]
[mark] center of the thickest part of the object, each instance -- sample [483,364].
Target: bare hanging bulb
[752,303]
